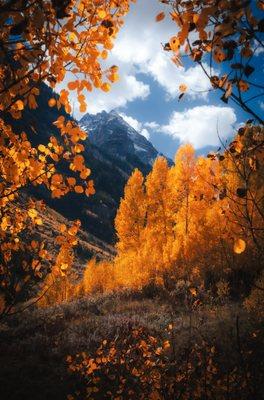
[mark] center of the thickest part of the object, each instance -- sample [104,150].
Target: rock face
[112,134]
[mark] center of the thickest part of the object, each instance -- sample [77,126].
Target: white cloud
[151,125]
[138,49]
[165,73]
[128,89]
[142,49]
[201,125]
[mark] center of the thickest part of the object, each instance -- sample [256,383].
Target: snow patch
[138,148]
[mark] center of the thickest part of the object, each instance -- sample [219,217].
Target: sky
[147,93]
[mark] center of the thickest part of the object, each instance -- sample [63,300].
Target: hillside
[89,246]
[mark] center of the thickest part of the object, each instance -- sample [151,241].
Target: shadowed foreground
[131,346]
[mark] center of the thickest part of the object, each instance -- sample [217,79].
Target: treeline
[197,225]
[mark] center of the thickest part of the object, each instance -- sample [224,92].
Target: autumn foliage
[45,41]
[136,364]
[199,221]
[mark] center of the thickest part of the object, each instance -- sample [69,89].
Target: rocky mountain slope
[111,133]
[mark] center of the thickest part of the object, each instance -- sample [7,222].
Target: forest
[122,278]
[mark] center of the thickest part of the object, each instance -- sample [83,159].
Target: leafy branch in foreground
[45,42]
[226,33]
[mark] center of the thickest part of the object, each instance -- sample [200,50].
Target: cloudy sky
[147,93]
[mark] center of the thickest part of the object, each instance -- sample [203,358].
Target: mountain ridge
[111,133]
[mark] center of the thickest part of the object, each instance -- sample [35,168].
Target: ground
[34,345]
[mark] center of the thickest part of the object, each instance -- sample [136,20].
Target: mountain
[112,134]
[113,150]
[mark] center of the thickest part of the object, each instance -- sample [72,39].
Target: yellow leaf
[64,266]
[104,54]
[158,351]
[101,14]
[106,87]
[166,344]
[63,228]
[42,148]
[72,36]
[32,213]
[19,105]
[78,162]
[78,148]
[85,173]
[135,372]
[38,221]
[239,246]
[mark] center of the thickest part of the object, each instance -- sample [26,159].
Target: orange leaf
[243,86]
[239,246]
[78,189]
[160,17]
[83,107]
[71,181]
[73,85]
[183,88]
[52,102]
[174,43]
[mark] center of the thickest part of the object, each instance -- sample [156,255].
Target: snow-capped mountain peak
[114,135]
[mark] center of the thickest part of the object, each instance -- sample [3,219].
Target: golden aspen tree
[130,224]
[98,277]
[131,267]
[210,241]
[131,215]
[182,182]
[158,230]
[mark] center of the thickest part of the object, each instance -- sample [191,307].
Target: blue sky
[147,93]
